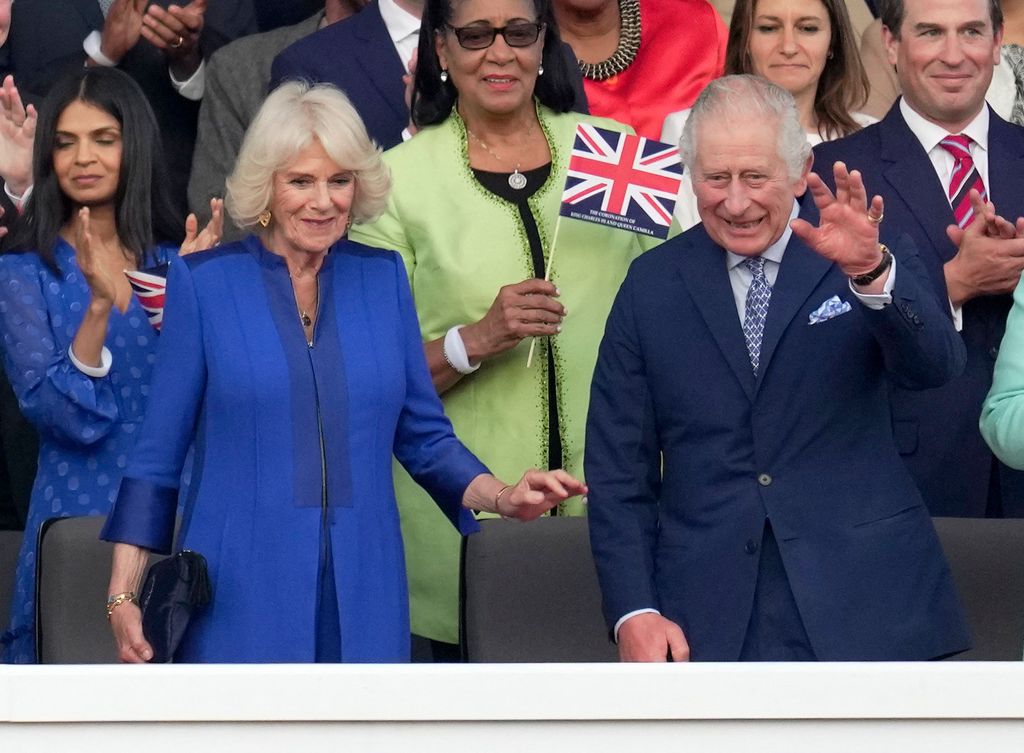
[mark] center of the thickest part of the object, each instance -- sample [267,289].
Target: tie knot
[959,146]
[756,266]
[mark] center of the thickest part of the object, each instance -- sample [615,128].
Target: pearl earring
[540,71]
[444,76]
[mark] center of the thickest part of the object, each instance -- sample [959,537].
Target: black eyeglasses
[520,34]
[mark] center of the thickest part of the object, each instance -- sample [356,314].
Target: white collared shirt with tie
[930,134]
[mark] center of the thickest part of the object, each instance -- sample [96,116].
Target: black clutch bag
[174,589]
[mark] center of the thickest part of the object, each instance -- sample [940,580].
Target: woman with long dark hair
[77,345]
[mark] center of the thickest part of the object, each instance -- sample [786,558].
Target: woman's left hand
[211,234]
[536,493]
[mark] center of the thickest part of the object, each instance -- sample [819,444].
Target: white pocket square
[830,309]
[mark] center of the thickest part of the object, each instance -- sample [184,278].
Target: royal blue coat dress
[87,425]
[293,447]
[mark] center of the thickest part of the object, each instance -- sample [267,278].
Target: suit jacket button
[750,547]
[764,479]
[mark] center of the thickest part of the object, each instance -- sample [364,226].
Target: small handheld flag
[622,180]
[149,287]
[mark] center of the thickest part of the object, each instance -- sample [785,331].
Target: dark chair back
[10,543]
[530,594]
[987,560]
[74,572]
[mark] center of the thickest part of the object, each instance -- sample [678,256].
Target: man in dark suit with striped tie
[938,144]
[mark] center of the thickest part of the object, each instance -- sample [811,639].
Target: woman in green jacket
[473,210]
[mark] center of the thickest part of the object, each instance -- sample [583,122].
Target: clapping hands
[173,30]
[990,254]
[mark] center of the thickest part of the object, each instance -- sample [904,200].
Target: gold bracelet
[116,600]
[497,500]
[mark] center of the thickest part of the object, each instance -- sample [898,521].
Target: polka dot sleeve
[39,315]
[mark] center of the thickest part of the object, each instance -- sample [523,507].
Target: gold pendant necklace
[516,181]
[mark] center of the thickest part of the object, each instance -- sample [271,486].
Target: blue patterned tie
[758,295]
[105,6]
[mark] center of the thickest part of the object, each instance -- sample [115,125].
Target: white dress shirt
[403,27]
[930,134]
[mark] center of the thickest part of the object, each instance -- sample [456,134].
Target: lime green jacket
[462,243]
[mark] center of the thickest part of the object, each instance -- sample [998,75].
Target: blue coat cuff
[143,515]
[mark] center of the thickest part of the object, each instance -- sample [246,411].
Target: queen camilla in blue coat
[292,361]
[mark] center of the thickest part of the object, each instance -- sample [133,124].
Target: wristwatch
[869,277]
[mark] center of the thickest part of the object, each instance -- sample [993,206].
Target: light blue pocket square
[830,309]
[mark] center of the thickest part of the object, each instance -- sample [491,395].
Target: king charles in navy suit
[747,501]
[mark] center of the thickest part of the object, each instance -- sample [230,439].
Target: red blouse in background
[682,48]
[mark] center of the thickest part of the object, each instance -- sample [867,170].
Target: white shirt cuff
[98,372]
[454,351]
[406,134]
[626,616]
[18,201]
[878,301]
[958,316]
[194,86]
[92,47]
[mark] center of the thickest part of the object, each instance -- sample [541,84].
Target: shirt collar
[399,22]
[775,251]
[930,134]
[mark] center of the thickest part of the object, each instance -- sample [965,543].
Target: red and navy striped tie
[965,176]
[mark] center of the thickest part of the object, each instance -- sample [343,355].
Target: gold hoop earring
[264,218]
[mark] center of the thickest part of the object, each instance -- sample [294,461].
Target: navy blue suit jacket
[687,453]
[358,56]
[937,430]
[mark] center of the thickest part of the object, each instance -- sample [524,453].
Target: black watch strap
[869,277]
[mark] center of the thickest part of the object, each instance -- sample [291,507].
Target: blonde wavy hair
[292,116]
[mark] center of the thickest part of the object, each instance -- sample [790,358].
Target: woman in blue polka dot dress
[77,346]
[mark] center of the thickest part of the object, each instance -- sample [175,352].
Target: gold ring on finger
[178,42]
[876,220]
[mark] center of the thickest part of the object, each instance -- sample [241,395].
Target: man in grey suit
[237,78]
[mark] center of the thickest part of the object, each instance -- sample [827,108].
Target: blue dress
[87,426]
[293,446]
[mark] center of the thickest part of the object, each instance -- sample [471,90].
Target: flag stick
[547,278]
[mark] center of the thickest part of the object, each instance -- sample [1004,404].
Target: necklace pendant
[304,318]
[517,180]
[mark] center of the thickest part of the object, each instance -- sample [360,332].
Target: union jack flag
[149,287]
[622,180]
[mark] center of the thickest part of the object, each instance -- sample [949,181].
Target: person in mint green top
[473,211]
[1002,413]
